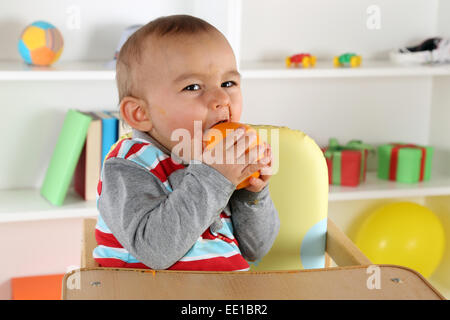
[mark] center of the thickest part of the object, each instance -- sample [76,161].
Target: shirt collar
[136,134]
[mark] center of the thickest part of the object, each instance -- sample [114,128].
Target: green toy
[347,60]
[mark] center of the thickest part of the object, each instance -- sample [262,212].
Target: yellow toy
[403,233]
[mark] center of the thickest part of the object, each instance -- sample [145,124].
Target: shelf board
[78,70]
[29,205]
[374,188]
[99,70]
[325,69]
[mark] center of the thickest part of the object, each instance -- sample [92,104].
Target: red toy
[305,59]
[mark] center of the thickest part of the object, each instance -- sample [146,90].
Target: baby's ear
[136,114]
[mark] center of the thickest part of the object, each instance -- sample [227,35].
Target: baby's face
[189,78]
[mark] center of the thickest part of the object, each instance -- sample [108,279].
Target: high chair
[298,266]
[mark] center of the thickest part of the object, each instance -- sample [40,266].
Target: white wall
[33,113]
[443,22]
[92,29]
[37,248]
[273,30]
[101,23]
[375,110]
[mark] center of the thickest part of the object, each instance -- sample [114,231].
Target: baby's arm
[255,221]
[156,226]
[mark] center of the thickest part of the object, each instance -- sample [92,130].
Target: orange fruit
[226,128]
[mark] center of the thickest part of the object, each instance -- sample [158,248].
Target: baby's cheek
[236,106]
[181,127]
[236,114]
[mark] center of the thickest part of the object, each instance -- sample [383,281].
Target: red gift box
[344,165]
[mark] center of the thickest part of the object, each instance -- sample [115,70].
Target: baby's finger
[251,156]
[267,158]
[244,142]
[256,183]
[250,169]
[266,172]
[232,138]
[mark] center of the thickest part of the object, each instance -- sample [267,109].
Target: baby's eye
[192,87]
[228,84]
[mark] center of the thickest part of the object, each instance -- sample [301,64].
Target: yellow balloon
[405,234]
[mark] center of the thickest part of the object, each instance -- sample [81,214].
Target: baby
[161,211]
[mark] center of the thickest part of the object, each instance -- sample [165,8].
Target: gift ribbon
[360,146]
[394,159]
[335,150]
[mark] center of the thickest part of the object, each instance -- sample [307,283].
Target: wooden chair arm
[88,244]
[335,283]
[341,249]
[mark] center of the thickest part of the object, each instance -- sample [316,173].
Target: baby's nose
[219,99]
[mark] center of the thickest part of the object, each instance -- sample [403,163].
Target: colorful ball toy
[405,234]
[40,44]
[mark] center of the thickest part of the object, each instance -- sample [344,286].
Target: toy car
[347,60]
[305,59]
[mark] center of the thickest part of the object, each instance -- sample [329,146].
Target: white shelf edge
[374,188]
[70,70]
[55,75]
[97,70]
[45,215]
[324,69]
[21,205]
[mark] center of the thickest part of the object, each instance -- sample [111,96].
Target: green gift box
[407,163]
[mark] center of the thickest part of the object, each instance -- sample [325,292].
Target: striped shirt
[214,250]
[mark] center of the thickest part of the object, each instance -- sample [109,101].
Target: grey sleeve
[154,225]
[255,221]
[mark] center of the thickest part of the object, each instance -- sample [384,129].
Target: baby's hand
[257,184]
[230,159]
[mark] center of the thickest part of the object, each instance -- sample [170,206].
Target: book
[87,171]
[123,126]
[65,157]
[109,132]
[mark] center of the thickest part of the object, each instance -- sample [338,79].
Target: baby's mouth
[216,123]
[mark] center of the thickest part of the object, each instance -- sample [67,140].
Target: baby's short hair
[130,54]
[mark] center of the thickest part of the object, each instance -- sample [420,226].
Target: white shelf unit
[24,205]
[28,205]
[62,71]
[378,102]
[100,70]
[375,188]
[325,69]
